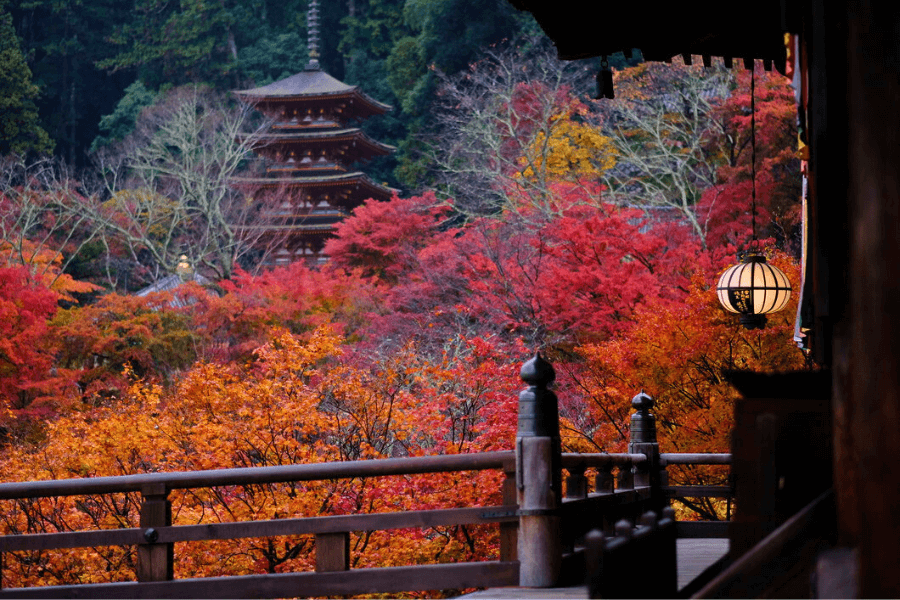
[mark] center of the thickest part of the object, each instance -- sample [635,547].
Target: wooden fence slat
[597,460]
[698,491]
[332,552]
[684,458]
[72,539]
[247,529]
[765,562]
[509,529]
[601,501]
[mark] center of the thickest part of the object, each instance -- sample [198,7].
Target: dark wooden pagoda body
[310,151]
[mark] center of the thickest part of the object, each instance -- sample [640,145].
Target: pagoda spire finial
[312,40]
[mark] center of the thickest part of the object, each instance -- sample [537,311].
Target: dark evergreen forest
[95,63]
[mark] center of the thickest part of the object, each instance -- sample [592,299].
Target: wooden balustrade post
[332,551]
[603,482]
[539,478]
[594,542]
[576,482]
[625,478]
[509,532]
[643,441]
[667,567]
[624,529]
[155,561]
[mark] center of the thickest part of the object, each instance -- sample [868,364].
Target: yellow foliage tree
[570,150]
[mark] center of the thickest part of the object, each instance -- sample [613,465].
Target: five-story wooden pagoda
[309,150]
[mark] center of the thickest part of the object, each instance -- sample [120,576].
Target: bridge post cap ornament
[642,401]
[538,406]
[538,372]
[643,422]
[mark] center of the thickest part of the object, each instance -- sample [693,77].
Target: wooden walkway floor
[694,556]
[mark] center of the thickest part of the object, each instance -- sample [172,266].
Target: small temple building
[310,150]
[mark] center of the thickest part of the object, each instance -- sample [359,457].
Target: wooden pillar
[332,551]
[868,477]
[155,561]
[539,478]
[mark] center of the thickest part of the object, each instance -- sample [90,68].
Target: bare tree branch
[172,189]
[661,125]
[497,126]
[42,222]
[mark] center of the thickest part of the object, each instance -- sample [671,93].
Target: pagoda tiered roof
[351,188]
[349,144]
[309,150]
[314,88]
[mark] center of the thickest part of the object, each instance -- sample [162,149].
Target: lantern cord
[753,150]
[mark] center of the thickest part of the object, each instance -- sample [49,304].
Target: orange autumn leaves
[299,402]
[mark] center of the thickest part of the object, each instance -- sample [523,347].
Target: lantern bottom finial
[753,321]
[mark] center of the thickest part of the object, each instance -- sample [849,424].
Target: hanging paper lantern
[753,289]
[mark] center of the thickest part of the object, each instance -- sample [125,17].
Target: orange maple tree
[679,352]
[301,401]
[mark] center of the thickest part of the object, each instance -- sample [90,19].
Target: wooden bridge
[600,529]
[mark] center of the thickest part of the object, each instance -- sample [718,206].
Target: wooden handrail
[581,460]
[155,539]
[310,472]
[697,491]
[383,580]
[530,514]
[257,475]
[806,524]
[681,458]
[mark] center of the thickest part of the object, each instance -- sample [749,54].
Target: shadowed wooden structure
[792,540]
[845,56]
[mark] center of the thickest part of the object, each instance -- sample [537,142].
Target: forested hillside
[96,62]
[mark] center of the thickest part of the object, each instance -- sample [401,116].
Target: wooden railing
[617,564]
[539,525]
[775,561]
[156,535]
[600,502]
